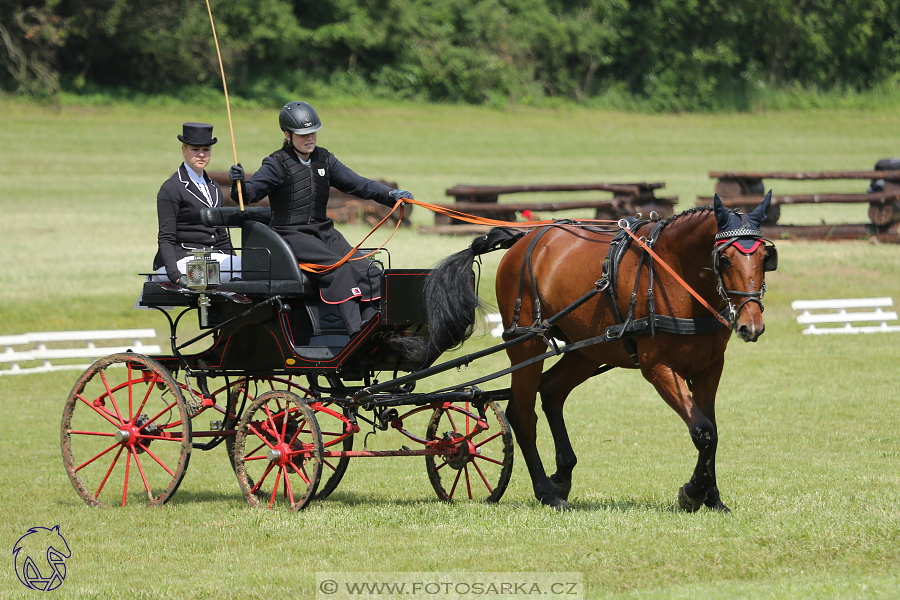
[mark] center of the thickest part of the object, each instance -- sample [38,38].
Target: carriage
[293,391]
[275,380]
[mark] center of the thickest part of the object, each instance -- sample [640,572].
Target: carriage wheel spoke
[158,461]
[127,471]
[489,459]
[137,461]
[275,487]
[100,411]
[255,488]
[150,387]
[108,471]
[110,395]
[483,478]
[468,483]
[483,442]
[455,481]
[89,461]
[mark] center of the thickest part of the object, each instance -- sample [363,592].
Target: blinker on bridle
[726,239]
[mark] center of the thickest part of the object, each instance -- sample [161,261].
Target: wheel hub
[462,453]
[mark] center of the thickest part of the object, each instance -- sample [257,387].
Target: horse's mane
[690,211]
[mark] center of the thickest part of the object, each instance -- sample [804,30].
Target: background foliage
[649,54]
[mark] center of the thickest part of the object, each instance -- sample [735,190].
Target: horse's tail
[450,297]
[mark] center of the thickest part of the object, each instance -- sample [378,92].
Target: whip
[227,104]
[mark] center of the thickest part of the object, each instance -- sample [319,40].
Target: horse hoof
[687,503]
[560,486]
[561,505]
[714,502]
[556,503]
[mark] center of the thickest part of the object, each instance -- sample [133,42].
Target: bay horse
[677,343]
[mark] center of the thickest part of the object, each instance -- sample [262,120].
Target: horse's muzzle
[750,332]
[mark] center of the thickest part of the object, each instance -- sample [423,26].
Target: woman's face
[196,157]
[303,144]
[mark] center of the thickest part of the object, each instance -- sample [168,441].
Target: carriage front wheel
[126,432]
[278,452]
[474,467]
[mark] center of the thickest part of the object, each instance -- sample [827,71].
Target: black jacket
[178,206]
[298,194]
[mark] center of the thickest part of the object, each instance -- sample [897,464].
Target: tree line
[670,54]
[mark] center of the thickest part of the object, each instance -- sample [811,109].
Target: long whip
[227,104]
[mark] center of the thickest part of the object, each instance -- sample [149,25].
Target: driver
[297,178]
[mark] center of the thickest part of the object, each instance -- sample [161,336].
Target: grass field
[809,452]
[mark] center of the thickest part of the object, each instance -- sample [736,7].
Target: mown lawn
[809,453]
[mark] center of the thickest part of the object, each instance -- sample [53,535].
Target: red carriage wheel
[337,435]
[126,432]
[333,424]
[278,451]
[477,468]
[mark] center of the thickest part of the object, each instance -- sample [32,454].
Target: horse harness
[725,239]
[625,329]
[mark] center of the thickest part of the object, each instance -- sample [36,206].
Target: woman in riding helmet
[297,179]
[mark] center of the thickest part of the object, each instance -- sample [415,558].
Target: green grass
[809,453]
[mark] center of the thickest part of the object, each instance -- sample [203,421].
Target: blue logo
[40,558]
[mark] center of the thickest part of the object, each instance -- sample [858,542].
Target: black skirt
[321,244]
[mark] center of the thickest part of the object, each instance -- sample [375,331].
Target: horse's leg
[674,390]
[704,393]
[556,384]
[523,419]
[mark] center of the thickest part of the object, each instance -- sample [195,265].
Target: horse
[563,280]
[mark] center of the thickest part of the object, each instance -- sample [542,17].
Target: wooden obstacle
[483,200]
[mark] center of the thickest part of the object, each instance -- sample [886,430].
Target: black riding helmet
[300,118]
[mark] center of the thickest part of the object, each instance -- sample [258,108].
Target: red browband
[741,248]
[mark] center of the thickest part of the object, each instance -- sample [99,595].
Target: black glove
[398,195]
[182,281]
[236,173]
[176,276]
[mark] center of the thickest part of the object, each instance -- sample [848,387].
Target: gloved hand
[400,195]
[176,276]
[236,173]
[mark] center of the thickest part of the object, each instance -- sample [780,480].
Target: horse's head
[740,260]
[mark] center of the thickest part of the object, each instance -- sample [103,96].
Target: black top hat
[197,134]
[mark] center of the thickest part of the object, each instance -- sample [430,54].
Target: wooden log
[807,175]
[752,201]
[853,231]
[487,190]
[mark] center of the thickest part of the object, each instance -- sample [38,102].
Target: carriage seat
[268,265]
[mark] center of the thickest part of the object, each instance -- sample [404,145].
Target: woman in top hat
[297,179]
[178,206]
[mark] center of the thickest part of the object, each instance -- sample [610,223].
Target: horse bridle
[725,239]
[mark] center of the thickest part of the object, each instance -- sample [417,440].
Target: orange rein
[453,214]
[461,216]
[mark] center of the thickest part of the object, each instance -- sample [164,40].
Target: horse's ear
[759,213]
[723,217]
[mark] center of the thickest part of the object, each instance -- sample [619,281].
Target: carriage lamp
[202,275]
[202,270]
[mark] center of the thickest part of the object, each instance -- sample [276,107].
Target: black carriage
[277,379]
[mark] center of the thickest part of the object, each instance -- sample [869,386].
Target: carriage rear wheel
[278,452]
[126,432]
[332,418]
[477,468]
